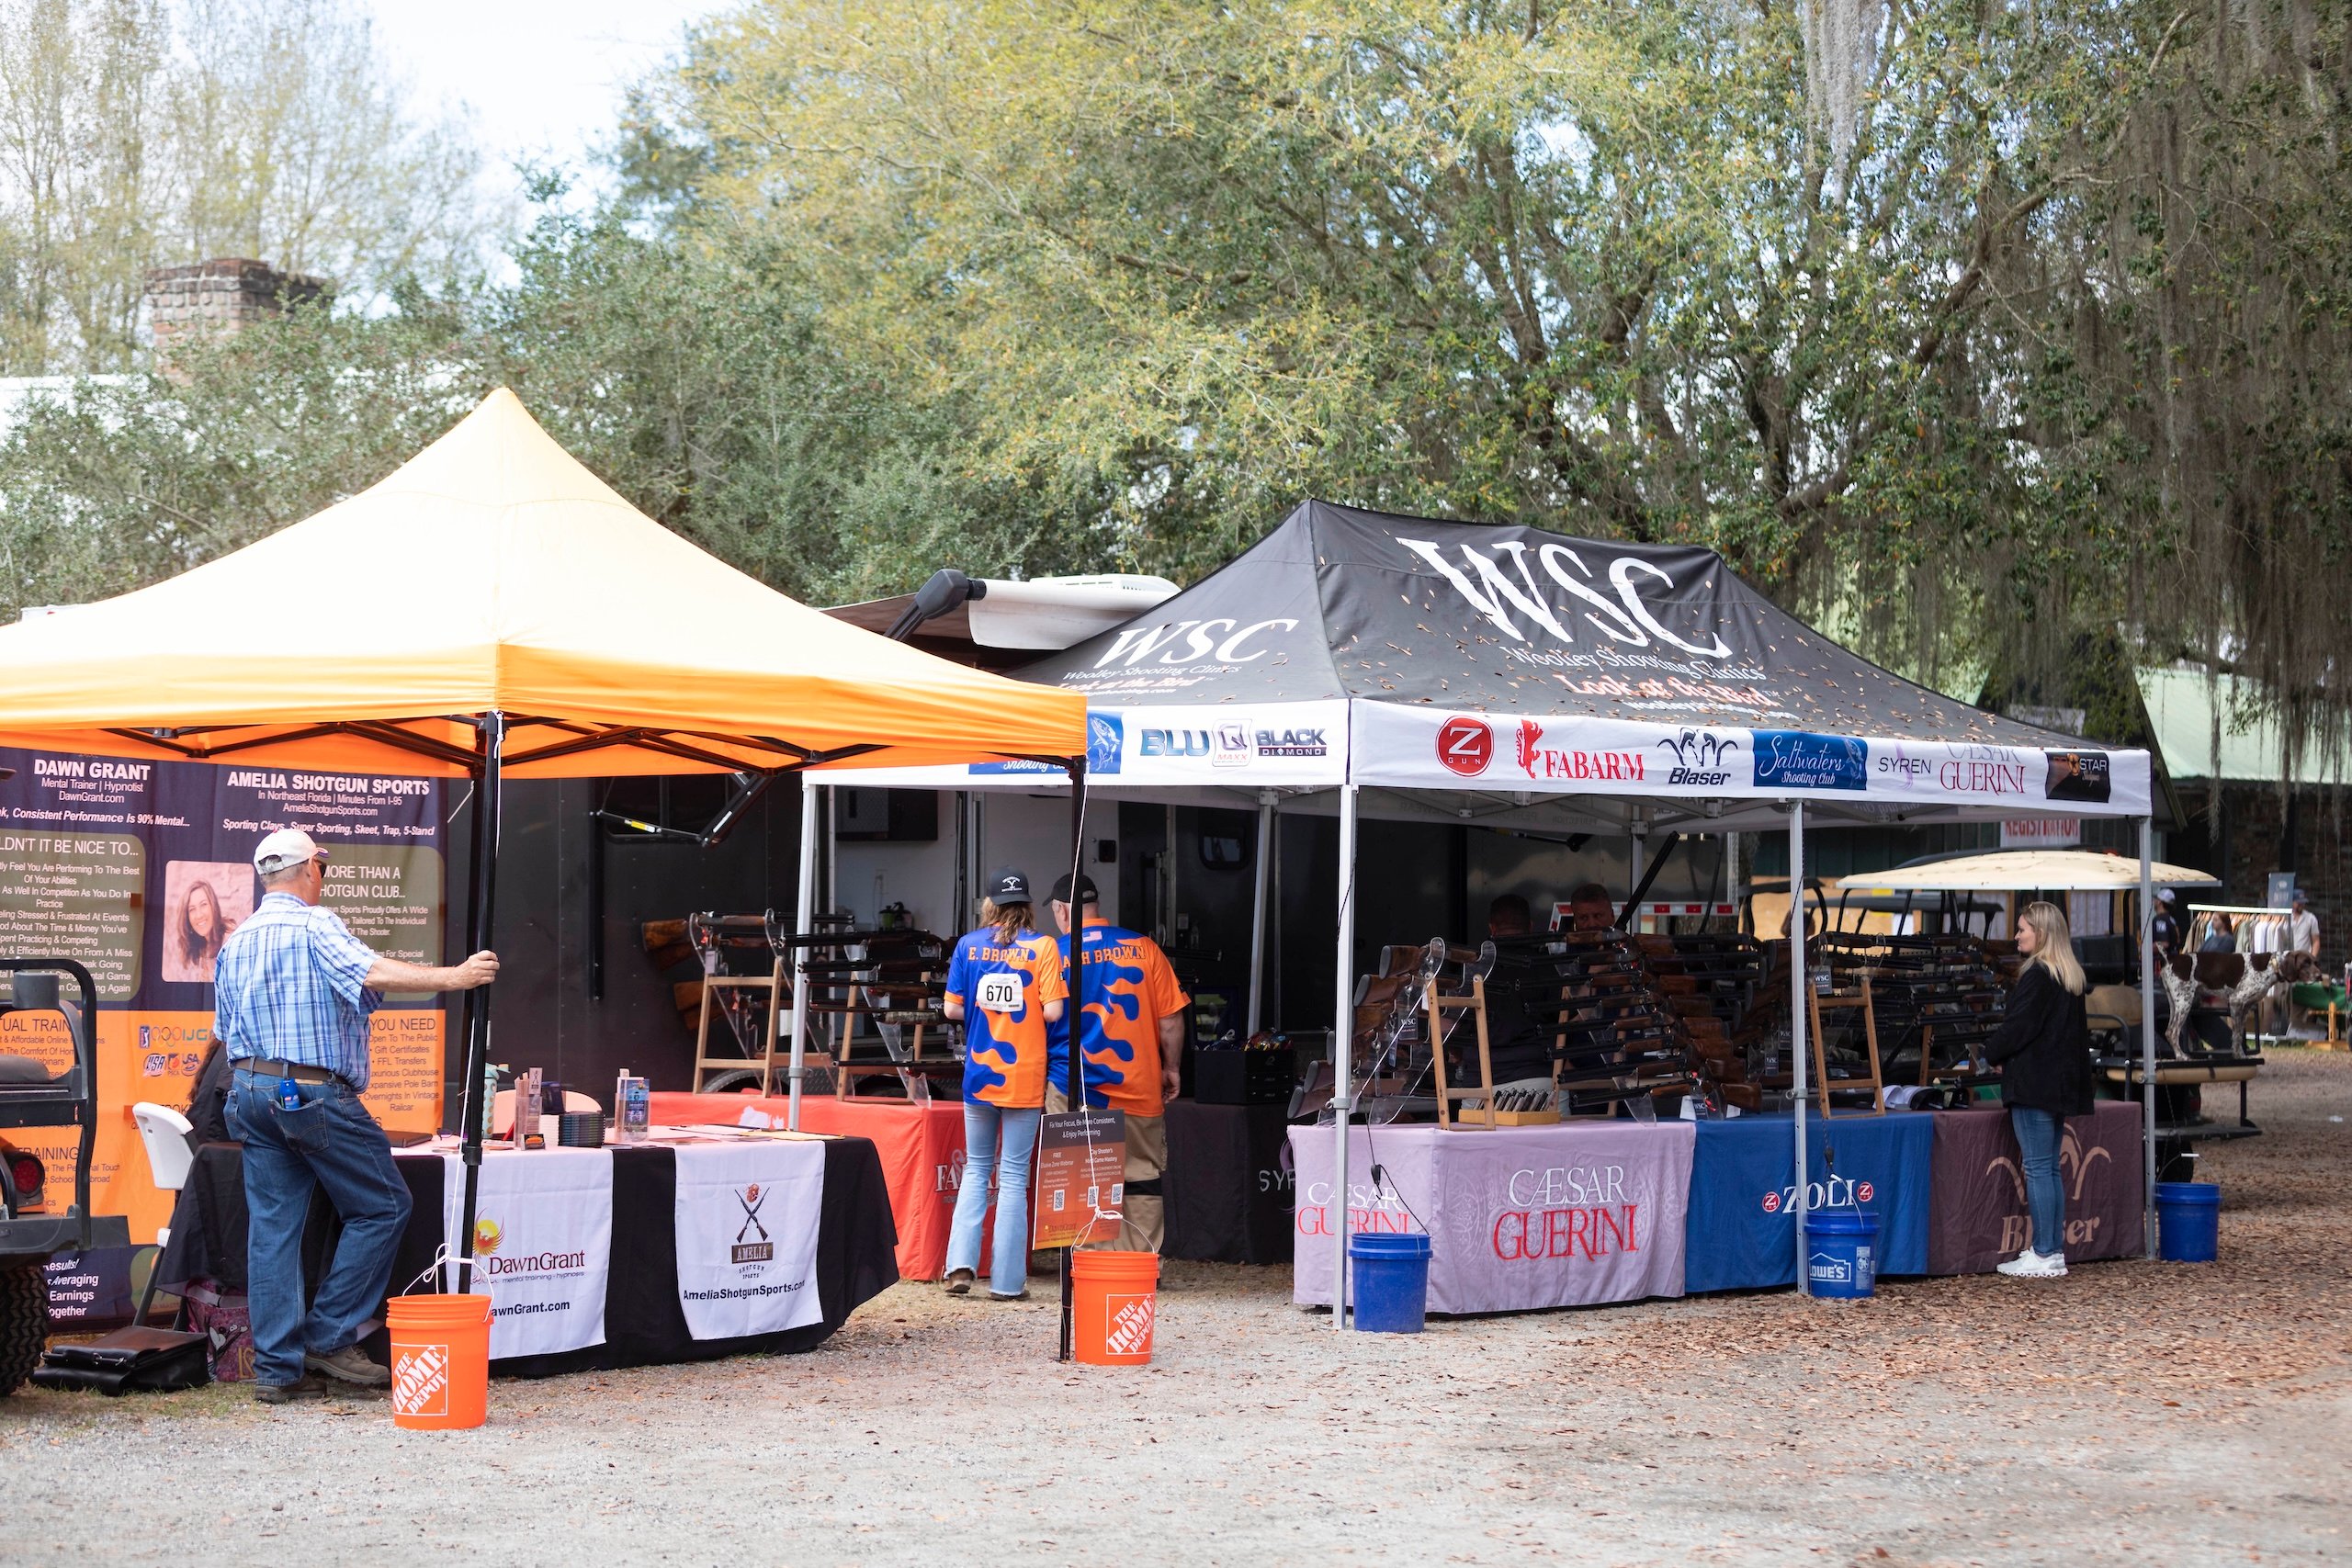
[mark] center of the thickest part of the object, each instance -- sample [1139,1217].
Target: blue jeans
[330,1142]
[983,1158]
[2040,1133]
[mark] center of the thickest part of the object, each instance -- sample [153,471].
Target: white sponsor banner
[543,1244]
[747,1236]
[1250,744]
[1420,748]
[1518,1218]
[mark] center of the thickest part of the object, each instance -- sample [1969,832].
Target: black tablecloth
[644,1324]
[1228,1186]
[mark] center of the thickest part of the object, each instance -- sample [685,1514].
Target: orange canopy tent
[491,607]
[492,573]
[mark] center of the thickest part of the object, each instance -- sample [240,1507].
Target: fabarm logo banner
[1422,748]
[746,1217]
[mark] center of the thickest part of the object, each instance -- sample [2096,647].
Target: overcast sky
[544,78]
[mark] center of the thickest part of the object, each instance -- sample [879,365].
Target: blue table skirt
[1739,1234]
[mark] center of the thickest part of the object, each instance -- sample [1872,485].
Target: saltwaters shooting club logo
[746,1250]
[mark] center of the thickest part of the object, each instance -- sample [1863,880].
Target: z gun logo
[1699,758]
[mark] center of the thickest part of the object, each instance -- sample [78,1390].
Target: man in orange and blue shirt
[1131,1040]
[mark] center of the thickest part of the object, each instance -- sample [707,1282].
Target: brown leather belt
[300,1072]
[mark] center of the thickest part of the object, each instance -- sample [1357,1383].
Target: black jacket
[2043,1047]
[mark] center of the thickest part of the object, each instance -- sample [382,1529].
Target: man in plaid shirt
[292,992]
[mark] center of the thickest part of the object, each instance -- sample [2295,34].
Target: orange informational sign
[1081,1166]
[141,871]
[153,1056]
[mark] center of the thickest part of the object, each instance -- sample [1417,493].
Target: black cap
[1085,887]
[1009,886]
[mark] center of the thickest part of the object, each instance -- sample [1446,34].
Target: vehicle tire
[732,1082]
[24,1322]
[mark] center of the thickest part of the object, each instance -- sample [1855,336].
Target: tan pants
[1143,1218]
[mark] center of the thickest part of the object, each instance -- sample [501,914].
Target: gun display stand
[1451,1112]
[888,980]
[1823,1084]
[751,1004]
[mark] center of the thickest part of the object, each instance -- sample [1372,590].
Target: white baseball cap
[287,846]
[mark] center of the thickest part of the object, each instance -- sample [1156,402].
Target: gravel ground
[2130,1412]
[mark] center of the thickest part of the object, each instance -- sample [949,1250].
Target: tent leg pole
[2147,1039]
[1073,1016]
[1343,1041]
[481,921]
[1798,984]
[804,917]
[1258,912]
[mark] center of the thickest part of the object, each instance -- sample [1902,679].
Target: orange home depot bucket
[1114,1297]
[440,1360]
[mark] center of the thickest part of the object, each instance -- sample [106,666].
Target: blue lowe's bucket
[1841,1252]
[2188,1221]
[1392,1282]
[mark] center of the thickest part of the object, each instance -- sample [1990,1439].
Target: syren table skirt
[644,1321]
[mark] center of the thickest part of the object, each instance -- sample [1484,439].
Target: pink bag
[220,1317]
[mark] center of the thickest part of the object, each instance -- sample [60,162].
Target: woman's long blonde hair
[1009,920]
[2055,951]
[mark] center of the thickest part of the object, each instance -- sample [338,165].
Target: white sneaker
[2031,1265]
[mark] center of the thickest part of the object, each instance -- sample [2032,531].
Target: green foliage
[2043,337]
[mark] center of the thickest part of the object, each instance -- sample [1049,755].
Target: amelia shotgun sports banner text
[140,870]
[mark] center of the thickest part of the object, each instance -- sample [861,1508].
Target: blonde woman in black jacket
[2042,1048]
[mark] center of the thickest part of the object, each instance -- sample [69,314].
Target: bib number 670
[999,993]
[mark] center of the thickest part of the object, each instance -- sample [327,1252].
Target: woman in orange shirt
[1005,982]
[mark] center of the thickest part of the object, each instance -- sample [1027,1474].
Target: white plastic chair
[169,1140]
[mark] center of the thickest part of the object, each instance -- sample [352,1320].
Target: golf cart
[30,1096]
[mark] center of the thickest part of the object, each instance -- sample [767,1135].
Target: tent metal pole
[1343,1041]
[481,920]
[1799,981]
[804,917]
[2147,1039]
[1634,887]
[1074,1016]
[1258,911]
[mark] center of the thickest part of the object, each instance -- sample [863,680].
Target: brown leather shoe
[959,1282]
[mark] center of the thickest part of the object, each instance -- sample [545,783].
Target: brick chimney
[223,296]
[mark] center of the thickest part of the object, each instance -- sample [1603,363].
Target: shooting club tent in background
[493,608]
[1353,662]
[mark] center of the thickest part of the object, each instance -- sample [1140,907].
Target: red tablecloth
[922,1148]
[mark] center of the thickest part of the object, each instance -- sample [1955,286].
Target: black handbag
[146,1360]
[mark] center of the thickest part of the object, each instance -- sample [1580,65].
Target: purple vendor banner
[1977,1213]
[1518,1218]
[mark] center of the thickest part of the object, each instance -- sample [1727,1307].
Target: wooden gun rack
[1876,1082]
